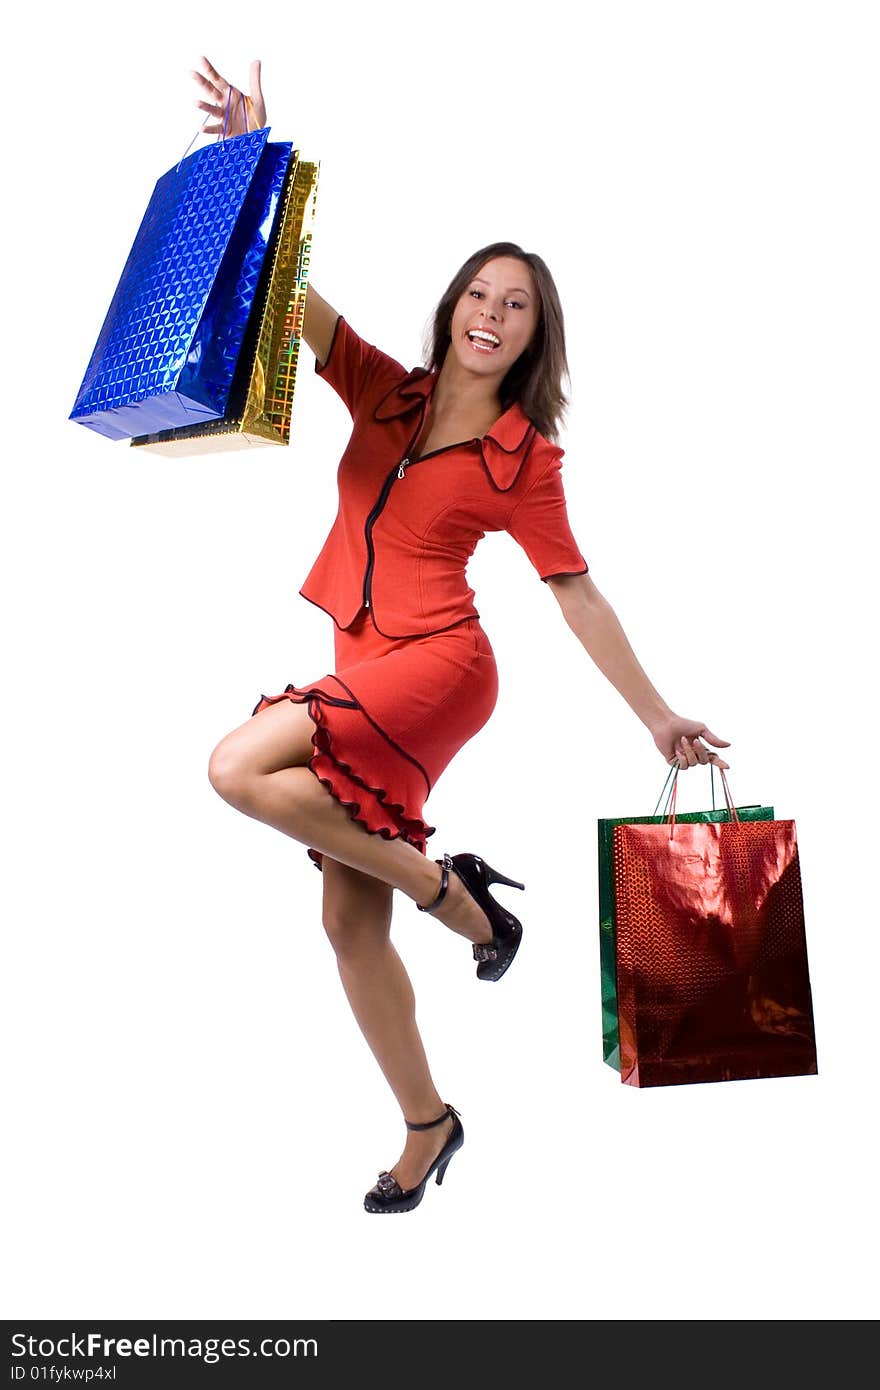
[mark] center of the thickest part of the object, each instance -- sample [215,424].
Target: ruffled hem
[372,807]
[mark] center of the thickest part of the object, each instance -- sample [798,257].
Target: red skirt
[391,717]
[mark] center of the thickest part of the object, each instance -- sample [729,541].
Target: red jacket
[404,531]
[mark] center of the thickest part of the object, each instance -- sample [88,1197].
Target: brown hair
[535,379]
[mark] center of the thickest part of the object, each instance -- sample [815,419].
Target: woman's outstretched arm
[215,94]
[319,324]
[596,625]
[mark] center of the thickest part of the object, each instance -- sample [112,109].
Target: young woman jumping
[438,456]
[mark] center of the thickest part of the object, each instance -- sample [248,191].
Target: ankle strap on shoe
[429,1124]
[441,892]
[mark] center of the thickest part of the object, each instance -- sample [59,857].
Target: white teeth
[484,337]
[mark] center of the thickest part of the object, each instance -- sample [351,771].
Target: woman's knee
[356,910]
[280,736]
[355,937]
[229,774]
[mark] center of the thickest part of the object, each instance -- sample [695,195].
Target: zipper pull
[401,472]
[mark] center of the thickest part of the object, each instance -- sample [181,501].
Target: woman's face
[501,301]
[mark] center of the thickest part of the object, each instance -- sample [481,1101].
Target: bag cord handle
[669,808]
[245,101]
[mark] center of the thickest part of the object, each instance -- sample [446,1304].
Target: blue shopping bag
[167,351]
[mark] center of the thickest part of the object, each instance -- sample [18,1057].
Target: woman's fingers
[212,72]
[686,755]
[258,101]
[689,751]
[694,751]
[216,92]
[233,122]
[207,88]
[690,747]
[713,738]
[219,97]
[214,89]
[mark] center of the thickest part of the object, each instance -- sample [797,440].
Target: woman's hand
[678,741]
[216,91]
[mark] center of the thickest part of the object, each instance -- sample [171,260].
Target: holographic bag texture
[704,964]
[259,409]
[167,350]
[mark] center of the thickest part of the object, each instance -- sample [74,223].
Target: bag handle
[672,772]
[244,101]
[669,808]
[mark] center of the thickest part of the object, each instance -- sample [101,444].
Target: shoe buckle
[482,951]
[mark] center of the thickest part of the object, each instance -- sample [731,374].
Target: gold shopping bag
[261,399]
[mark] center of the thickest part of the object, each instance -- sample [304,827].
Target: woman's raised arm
[319,323]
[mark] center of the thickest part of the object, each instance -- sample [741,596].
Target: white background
[193,1115]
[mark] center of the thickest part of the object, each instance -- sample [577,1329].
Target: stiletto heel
[388,1195]
[493,876]
[496,955]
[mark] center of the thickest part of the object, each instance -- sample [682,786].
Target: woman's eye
[515,302]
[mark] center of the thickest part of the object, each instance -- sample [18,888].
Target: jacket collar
[504,447]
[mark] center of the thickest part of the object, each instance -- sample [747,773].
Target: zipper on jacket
[408,463]
[399,470]
[368,529]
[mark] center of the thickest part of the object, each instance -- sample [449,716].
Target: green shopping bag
[607,922]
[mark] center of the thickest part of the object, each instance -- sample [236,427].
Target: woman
[344,764]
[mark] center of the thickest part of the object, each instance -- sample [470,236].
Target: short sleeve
[539,523]
[357,370]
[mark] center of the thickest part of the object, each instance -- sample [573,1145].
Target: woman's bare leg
[357,919]
[260,769]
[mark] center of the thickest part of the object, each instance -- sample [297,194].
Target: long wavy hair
[535,379]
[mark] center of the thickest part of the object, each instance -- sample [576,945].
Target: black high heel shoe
[476,875]
[388,1195]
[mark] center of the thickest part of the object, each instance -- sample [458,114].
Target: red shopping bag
[712,975]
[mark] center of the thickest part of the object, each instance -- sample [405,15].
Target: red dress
[414,673]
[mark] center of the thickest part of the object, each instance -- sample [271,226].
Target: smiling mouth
[483,342]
